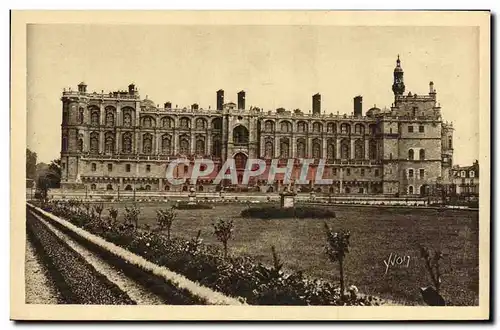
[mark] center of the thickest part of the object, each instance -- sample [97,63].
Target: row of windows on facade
[200,123]
[239,163]
[411,173]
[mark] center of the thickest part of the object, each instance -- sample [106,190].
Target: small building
[465,180]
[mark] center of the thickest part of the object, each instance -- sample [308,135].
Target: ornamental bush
[300,212]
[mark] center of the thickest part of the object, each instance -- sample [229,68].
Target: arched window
[372,149]
[240,135]
[450,142]
[284,148]
[330,149]
[240,160]
[286,126]
[411,154]
[184,123]
[127,143]
[147,143]
[316,149]
[410,190]
[331,128]
[200,147]
[317,127]
[80,145]
[147,122]
[93,186]
[345,149]
[200,123]
[301,126]
[373,129]
[166,145]
[127,119]
[128,187]
[422,154]
[81,115]
[216,147]
[217,123]
[94,143]
[269,152]
[94,118]
[269,126]
[148,187]
[301,148]
[345,128]
[166,122]
[184,146]
[359,149]
[110,118]
[359,129]
[109,143]
[109,186]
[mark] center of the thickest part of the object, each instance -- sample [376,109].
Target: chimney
[316,106]
[131,89]
[194,106]
[220,99]
[358,106]
[241,100]
[168,105]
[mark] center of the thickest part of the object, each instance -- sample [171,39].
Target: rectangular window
[94,167]
[185,168]
[334,171]
[127,167]
[63,166]
[348,171]
[410,129]
[421,173]
[362,172]
[360,190]
[421,128]
[148,168]
[110,167]
[410,173]
[376,172]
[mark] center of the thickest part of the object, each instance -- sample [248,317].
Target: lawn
[376,233]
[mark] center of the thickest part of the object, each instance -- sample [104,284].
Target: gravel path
[40,289]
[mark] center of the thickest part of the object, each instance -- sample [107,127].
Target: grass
[375,234]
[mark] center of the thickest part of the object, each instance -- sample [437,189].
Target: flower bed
[77,281]
[300,212]
[234,276]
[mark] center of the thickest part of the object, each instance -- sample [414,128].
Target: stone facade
[118,141]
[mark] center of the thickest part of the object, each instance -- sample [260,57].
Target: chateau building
[118,141]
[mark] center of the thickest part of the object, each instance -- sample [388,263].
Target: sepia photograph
[334,164]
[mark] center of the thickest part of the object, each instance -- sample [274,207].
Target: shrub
[336,249]
[195,206]
[98,208]
[301,212]
[164,220]
[223,230]
[132,215]
[113,213]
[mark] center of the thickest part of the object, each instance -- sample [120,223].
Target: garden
[299,261]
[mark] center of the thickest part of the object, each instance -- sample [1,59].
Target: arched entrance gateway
[240,162]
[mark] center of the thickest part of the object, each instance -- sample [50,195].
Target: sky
[277,66]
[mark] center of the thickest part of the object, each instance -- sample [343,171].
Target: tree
[336,249]
[223,230]
[55,173]
[31,158]
[164,219]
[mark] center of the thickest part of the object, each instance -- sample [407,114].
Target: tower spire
[398,86]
